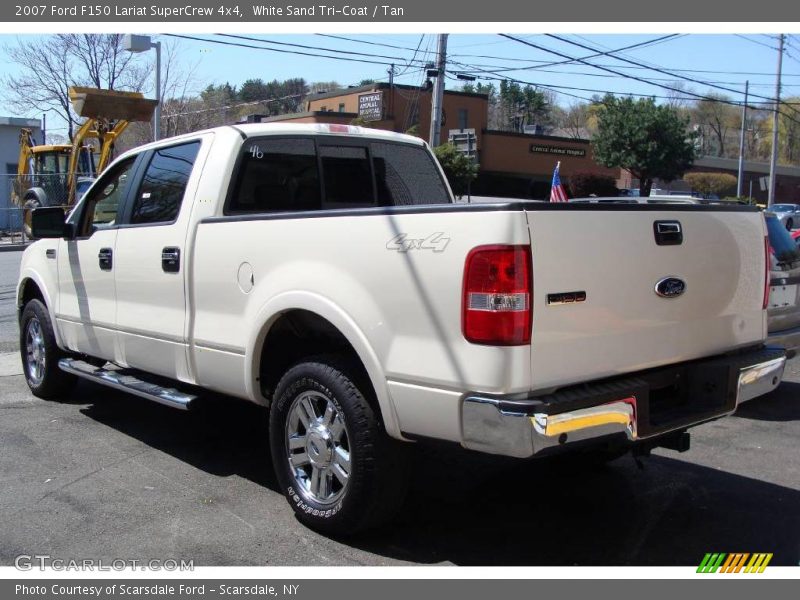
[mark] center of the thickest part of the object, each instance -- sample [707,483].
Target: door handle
[105,259]
[668,233]
[171,259]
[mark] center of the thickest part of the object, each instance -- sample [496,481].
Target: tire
[40,354]
[789,225]
[346,474]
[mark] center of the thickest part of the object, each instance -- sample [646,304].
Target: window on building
[161,192]
[463,118]
[347,176]
[277,175]
[341,107]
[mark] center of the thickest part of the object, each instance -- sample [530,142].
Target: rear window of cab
[290,174]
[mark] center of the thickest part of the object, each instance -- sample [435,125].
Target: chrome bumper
[760,379]
[488,425]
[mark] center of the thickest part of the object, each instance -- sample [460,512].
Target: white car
[324,272]
[789,214]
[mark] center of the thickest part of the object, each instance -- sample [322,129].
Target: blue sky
[724,59]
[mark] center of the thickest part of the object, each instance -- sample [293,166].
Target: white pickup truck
[324,272]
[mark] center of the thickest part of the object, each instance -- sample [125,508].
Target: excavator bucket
[94,103]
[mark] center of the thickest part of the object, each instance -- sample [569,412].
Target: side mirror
[48,222]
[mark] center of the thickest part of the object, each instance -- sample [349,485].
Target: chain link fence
[18,195]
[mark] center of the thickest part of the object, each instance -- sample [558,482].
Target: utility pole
[773,162]
[740,176]
[391,90]
[437,93]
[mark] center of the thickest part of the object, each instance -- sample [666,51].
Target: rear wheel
[40,354]
[339,470]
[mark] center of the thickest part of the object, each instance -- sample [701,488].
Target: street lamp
[143,43]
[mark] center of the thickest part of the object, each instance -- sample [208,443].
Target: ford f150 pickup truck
[324,272]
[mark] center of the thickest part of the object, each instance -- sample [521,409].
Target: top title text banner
[464,11]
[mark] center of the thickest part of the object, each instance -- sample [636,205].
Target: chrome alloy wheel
[35,351]
[318,448]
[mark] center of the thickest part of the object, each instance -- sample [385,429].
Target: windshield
[782,207]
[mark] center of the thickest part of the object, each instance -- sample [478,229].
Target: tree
[577,121]
[716,119]
[253,90]
[459,169]
[649,140]
[789,132]
[52,64]
[711,184]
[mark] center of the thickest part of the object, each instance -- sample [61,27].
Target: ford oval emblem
[670,287]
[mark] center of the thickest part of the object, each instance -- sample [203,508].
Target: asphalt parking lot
[105,476]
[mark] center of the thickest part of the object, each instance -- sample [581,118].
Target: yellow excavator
[58,174]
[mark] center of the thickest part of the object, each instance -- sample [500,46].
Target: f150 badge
[670,287]
[402,243]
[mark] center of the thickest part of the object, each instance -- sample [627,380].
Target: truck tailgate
[596,312]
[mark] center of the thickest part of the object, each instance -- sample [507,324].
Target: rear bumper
[636,408]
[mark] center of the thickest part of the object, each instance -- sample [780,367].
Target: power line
[278,50]
[609,76]
[628,67]
[348,39]
[613,92]
[542,63]
[607,53]
[307,47]
[640,79]
[665,72]
[416,50]
[744,37]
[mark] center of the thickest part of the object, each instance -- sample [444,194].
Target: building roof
[308,113]
[20,122]
[383,86]
[732,164]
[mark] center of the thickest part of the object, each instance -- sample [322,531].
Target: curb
[13,247]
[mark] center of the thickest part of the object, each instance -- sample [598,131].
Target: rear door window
[347,176]
[277,175]
[164,184]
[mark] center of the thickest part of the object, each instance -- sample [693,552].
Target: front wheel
[40,354]
[339,470]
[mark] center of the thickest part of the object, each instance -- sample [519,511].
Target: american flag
[557,193]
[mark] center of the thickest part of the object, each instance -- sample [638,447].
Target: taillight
[767,267]
[496,305]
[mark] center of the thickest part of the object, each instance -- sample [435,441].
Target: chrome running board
[124,380]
